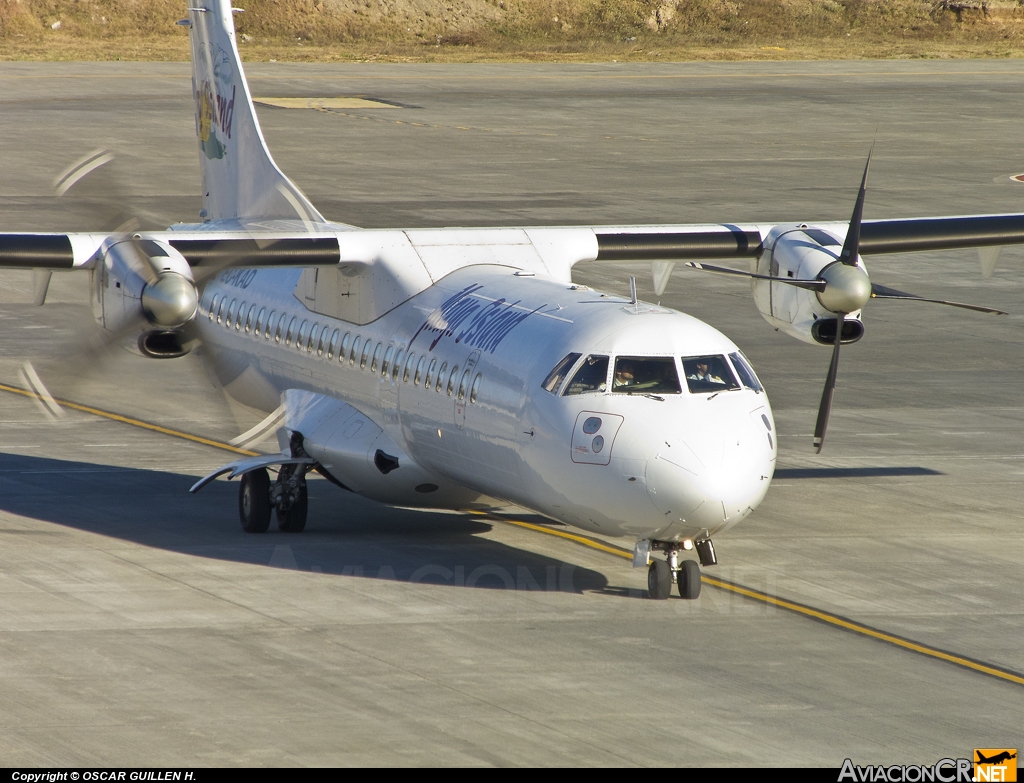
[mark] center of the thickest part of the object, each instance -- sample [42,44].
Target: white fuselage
[667,467]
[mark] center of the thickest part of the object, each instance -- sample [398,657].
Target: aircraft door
[463,390]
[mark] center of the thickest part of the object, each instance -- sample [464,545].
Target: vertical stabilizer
[240,179]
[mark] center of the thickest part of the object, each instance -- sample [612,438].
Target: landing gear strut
[685,573]
[289,498]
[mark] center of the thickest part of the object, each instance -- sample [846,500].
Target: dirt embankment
[453,30]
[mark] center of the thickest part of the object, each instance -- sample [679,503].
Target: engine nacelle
[802,252]
[143,294]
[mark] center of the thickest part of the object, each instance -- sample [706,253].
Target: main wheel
[294,519]
[254,501]
[659,580]
[688,577]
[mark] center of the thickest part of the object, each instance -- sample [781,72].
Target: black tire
[254,501]
[294,519]
[659,580]
[688,578]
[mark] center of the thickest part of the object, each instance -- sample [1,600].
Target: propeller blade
[851,246]
[810,285]
[825,408]
[882,292]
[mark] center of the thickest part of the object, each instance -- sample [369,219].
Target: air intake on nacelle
[163,345]
[824,331]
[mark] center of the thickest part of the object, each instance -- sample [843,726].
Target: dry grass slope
[450,30]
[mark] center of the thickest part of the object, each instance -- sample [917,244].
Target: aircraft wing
[690,243]
[562,245]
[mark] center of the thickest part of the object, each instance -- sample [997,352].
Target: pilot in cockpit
[623,374]
[704,374]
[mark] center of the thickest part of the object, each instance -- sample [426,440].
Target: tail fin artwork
[240,179]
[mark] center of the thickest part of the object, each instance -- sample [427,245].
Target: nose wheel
[659,580]
[662,573]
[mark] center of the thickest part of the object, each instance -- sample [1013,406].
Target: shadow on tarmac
[346,535]
[822,473]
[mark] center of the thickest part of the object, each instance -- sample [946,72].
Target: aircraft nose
[712,480]
[674,481]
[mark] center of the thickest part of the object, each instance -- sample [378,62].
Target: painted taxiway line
[134,422]
[829,618]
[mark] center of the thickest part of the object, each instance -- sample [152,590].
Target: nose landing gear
[685,573]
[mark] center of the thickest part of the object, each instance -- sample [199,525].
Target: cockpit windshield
[554,380]
[645,375]
[592,376]
[745,371]
[706,374]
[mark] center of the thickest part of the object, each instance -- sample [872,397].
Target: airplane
[442,368]
[996,759]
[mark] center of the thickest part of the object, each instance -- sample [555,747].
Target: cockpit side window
[592,376]
[745,371]
[554,380]
[645,375]
[705,374]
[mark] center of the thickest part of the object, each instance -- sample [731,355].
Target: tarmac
[140,626]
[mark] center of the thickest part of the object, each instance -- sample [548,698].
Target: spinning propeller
[167,289]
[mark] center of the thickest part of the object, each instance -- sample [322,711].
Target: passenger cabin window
[220,310]
[745,371]
[346,343]
[440,377]
[462,385]
[430,373]
[366,353]
[280,326]
[554,380]
[705,374]
[476,388]
[419,371]
[291,331]
[397,368]
[213,305]
[312,337]
[645,375]
[592,376]
[301,338]
[451,380]
[408,367]
[231,313]
[241,315]
[259,322]
[376,357]
[249,319]
[333,345]
[387,361]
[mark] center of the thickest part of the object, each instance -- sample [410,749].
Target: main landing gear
[685,573]
[287,497]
